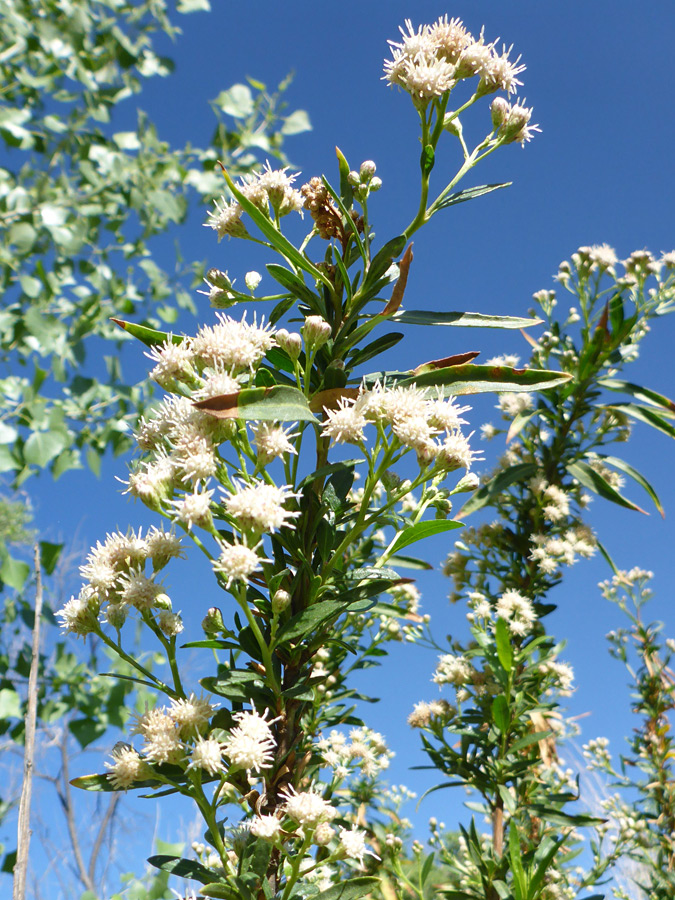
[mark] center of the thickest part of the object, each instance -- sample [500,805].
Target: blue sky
[600,78]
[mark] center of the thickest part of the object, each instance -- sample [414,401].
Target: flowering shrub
[305,558]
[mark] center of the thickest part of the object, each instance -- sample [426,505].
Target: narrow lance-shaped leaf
[633,473]
[460,319]
[639,392]
[470,379]
[280,403]
[149,336]
[443,202]
[643,414]
[503,641]
[420,531]
[595,482]
[183,868]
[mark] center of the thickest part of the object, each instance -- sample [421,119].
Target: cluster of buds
[322,209]
[365,181]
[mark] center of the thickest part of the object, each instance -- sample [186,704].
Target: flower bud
[323,834]
[468,482]
[252,280]
[280,601]
[499,110]
[162,601]
[316,332]
[212,622]
[291,342]
[116,614]
[367,170]
[219,279]
[375,184]
[353,178]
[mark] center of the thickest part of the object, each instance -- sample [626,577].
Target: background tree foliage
[80,201]
[83,199]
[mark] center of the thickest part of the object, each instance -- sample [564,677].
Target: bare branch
[100,835]
[23,827]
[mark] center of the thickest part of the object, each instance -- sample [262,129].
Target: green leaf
[310,619]
[467,194]
[460,319]
[149,336]
[220,891]
[385,342]
[349,890]
[427,159]
[44,446]
[500,713]
[86,731]
[295,285]
[237,101]
[279,403]
[22,235]
[49,556]
[182,868]
[422,530]
[503,641]
[643,414]
[529,739]
[10,704]
[639,392]
[296,123]
[520,882]
[14,572]
[382,261]
[520,472]
[471,379]
[623,466]
[594,481]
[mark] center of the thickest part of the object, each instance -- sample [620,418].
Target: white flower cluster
[178,734]
[268,188]
[254,510]
[455,670]
[364,751]
[627,580]
[550,553]
[414,420]
[425,714]
[251,744]
[517,611]
[429,62]
[116,581]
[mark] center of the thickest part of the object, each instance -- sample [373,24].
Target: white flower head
[249,750]
[173,362]
[79,615]
[259,508]
[193,509]
[192,714]
[272,441]
[307,808]
[226,220]
[266,827]
[126,768]
[237,562]
[207,754]
[353,843]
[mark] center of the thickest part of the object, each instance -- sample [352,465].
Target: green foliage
[80,202]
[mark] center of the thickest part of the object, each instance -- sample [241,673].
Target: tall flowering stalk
[500,736]
[302,556]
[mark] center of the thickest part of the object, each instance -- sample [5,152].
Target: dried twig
[23,829]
